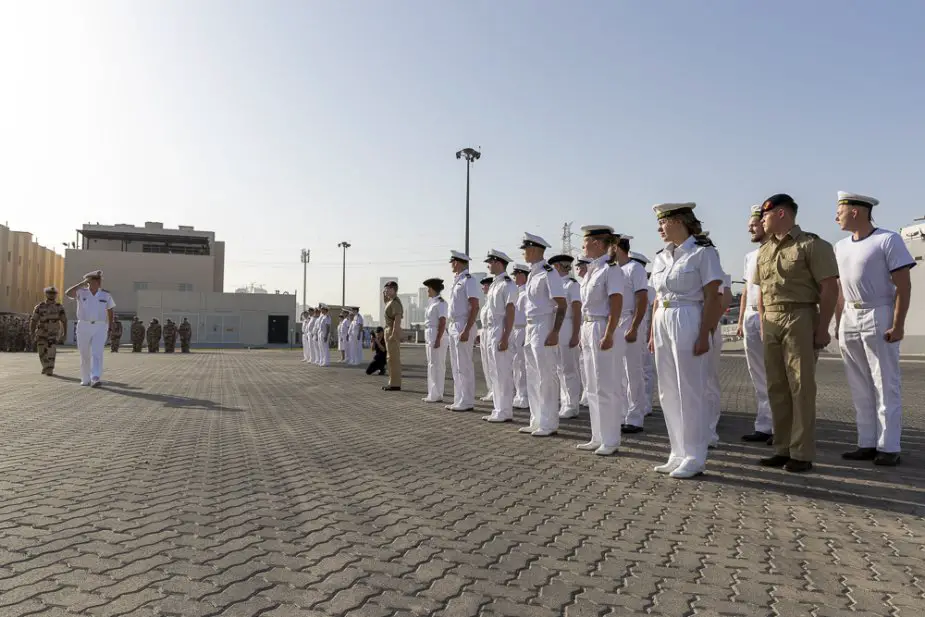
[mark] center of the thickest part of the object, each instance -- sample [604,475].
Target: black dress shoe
[771,440]
[887,459]
[391,388]
[795,466]
[757,436]
[861,454]
[631,428]
[778,460]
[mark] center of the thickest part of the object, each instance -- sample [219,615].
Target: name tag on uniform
[103,301]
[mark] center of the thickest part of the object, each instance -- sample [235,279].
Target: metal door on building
[223,329]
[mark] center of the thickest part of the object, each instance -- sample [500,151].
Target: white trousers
[542,379]
[604,384]
[681,379]
[648,368]
[341,343]
[91,339]
[754,357]
[324,352]
[567,370]
[357,346]
[584,377]
[501,364]
[633,375]
[872,368]
[518,339]
[486,362]
[463,368]
[306,347]
[436,367]
[313,349]
[713,394]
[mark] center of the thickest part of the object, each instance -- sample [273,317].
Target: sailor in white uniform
[636,298]
[750,332]
[305,346]
[581,268]
[518,339]
[348,337]
[435,340]
[686,275]
[602,292]
[544,305]
[94,316]
[462,310]
[356,335]
[570,339]
[342,336]
[324,334]
[874,293]
[483,348]
[499,327]
[645,331]
[714,394]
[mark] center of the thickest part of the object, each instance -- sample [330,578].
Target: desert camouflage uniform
[186,333]
[170,336]
[48,328]
[154,336]
[138,335]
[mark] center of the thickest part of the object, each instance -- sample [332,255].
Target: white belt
[677,303]
[866,305]
[539,318]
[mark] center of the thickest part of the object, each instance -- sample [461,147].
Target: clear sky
[290,124]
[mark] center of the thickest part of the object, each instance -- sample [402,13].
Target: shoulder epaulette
[37,306]
[440,299]
[704,242]
[660,252]
[547,267]
[573,279]
[612,263]
[506,277]
[468,276]
[811,235]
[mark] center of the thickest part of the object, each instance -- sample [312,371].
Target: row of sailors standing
[316,336]
[546,322]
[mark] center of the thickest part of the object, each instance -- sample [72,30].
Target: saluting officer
[94,314]
[498,327]
[519,338]
[463,309]
[798,276]
[750,331]
[569,342]
[483,347]
[875,288]
[544,305]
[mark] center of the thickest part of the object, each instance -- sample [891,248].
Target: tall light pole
[471,156]
[306,257]
[343,279]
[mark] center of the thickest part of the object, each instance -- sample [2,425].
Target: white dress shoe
[542,432]
[525,429]
[428,400]
[486,417]
[487,398]
[568,414]
[688,469]
[606,450]
[671,465]
[499,419]
[85,383]
[591,445]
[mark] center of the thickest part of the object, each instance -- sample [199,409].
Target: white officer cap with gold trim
[624,237]
[96,274]
[853,199]
[521,268]
[639,257]
[533,240]
[591,231]
[670,209]
[495,254]
[756,211]
[459,256]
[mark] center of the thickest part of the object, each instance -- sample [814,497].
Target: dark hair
[392,285]
[624,245]
[380,329]
[780,200]
[693,225]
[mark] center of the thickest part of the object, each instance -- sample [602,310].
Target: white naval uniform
[679,275]
[324,332]
[342,335]
[634,378]
[502,293]
[92,328]
[306,344]
[754,347]
[355,340]
[312,347]
[713,393]
[543,286]
[483,351]
[871,363]
[518,340]
[603,367]
[464,288]
[436,357]
[569,357]
[648,365]
[348,341]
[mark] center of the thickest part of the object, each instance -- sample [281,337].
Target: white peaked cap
[96,274]
[756,210]
[663,210]
[597,230]
[853,199]
[496,254]
[459,255]
[534,240]
[521,268]
[639,257]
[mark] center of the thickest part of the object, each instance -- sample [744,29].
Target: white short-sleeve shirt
[520,317]
[636,280]
[543,285]
[436,308]
[752,291]
[679,275]
[503,291]
[93,307]
[604,279]
[464,288]
[865,266]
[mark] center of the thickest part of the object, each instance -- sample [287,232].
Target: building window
[140,286]
[185,287]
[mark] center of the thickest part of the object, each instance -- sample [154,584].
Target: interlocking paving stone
[246,483]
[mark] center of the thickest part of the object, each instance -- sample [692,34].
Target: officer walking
[48,328]
[498,327]
[94,314]
[435,317]
[393,315]
[870,318]
[798,276]
[186,333]
[138,334]
[544,305]
[568,354]
[518,339]
[463,309]
[483,348]
[750,331]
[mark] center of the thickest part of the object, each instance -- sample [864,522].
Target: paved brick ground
[245,483]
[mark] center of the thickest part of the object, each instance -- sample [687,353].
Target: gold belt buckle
[857,305]
[666,303]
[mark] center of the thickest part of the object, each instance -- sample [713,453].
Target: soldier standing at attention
[483,345]
[581,268]
[115,336]
[648,362]
[435,341]
[170,336]
[94,314]
[798,276]
[154,336]
[750,331]
[48,328]
[462,308]
[870,318]
[324,337]
[518,339]
[138,334]
[569,357]
[393,314]
[496,337]
[635,307]
[186,333]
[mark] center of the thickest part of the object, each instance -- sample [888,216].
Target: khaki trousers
[393,360]
[790,365]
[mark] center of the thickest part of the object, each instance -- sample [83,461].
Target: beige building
[26,269]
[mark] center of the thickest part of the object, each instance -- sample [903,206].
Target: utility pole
[471,155]
[343,280]
[567,239]
[306,257]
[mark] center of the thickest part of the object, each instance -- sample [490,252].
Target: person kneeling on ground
[378,345]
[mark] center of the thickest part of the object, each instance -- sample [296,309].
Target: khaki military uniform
[186,333]
[393,315]
[170,336]
[48,327]
[790,272]
[115,335]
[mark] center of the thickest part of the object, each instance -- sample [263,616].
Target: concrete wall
[26,269]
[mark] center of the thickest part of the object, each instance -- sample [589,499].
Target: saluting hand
[894,334]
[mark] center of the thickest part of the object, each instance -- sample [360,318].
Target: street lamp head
[469,154]
[345,245]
